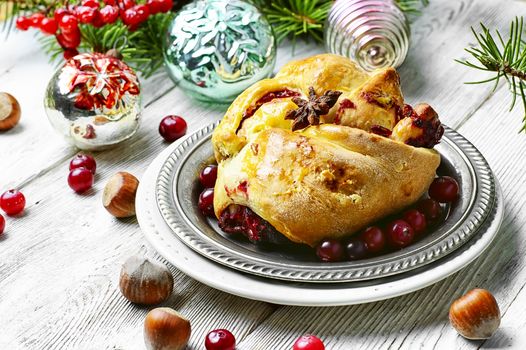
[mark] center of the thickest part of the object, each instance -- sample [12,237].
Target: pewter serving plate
[177,190]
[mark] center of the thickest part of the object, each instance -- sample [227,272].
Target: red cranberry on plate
[12,202]
[431,209]
[80,179]
[374,239]
[220,339]
[206,202]
[400,233]
[83,161]
[208,176]
[2,224]
[416,219]
[330,250]
[308,342]
[444,189]
[172,127]
[356,249]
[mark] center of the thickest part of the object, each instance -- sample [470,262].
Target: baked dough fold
[328,180]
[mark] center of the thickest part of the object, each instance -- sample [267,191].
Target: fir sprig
[505,58]
[306,18]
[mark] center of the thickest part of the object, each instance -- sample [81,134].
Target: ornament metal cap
[374,33]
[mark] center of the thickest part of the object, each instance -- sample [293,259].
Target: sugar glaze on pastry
[370,156]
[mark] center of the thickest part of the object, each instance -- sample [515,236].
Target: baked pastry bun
[321,151]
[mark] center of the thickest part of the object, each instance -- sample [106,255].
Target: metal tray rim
[482,204]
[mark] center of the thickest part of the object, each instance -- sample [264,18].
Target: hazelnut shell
[145,282]
[9,111]
[475,315]
[166,329]
[119,195]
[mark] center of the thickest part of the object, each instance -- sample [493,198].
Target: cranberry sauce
[270,96]
[428,122]
[344,104]
[380,130]
[237,219]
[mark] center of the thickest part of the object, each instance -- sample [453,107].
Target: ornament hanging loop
[117,49]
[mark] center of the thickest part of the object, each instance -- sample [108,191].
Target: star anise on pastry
[309,111]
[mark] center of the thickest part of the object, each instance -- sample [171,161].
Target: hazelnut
[9,111]
[145,282]
[119,195]
[475,315]
[166,329]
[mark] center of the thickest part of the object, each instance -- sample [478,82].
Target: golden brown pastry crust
[377,94]
[325,181]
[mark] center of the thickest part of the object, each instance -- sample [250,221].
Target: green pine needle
[306,18]
[505,58]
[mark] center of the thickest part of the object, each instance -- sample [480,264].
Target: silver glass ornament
[374,33]
[215,49]
[93,100]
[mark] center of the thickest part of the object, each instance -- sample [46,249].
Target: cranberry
[220,339]
[83,161]
[12,202]
[109,14]
[91,3]
[69,40]
[80,179]
[154,6]
[330,250]
[431,209]
[166,5]
[59,13]
[49,26]
[70,53]
[172,127]
[374,239]
[36,19]
[86,14]
[444,189]
[142,12]
[206,202]
[2,224]
[126,4]
[356,249]
[130,17]
[416,219]
[23,23]
[208,176]
[68,23]
[400,233]
[308,342]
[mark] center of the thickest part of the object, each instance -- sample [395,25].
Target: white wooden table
[60,261]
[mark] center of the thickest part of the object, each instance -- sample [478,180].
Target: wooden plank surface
[59,262]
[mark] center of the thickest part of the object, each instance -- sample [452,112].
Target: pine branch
[504,58]
[412,6]
[306,18]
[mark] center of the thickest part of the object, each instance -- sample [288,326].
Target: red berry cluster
[64,22]
[81,172]
[398,233]
[12,203]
